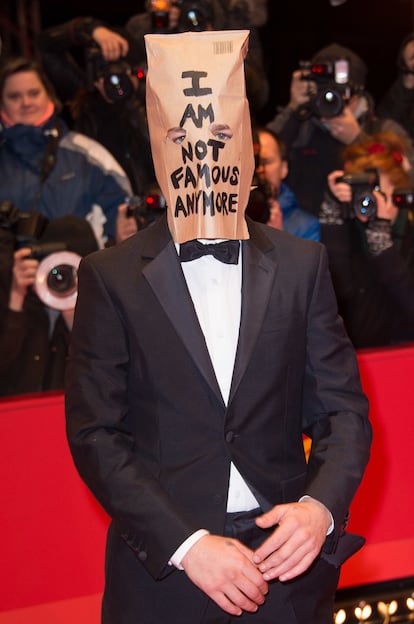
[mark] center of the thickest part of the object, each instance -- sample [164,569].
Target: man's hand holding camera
[300,90]
[381,211]
[24,275]
[345,127]
[385,208]
[112,45]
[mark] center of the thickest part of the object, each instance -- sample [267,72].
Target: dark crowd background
[294,31]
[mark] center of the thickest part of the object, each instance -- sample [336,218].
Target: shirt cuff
[182,550]
[332,525]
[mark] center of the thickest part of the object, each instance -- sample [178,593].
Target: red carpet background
[53,532]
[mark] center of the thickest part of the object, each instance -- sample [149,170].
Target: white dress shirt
[215,289]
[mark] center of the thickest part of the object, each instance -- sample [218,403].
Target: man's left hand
[345,127]
[297,540]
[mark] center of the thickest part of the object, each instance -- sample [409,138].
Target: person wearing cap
[34,336]
[202,349]
[398,101]
[314,142]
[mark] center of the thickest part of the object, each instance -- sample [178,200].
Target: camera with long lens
[56,276]
[117,84]
[363,203]
[146,209]
[333,90]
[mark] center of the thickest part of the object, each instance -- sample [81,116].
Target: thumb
[270,518]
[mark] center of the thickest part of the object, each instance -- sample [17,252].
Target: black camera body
[26,227]
[363,203]
[56,275]
[333,88]
[146,208]
[116,75]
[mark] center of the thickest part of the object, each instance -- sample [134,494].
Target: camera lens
[117,86]
[62,280]
[365,205]
[328,103]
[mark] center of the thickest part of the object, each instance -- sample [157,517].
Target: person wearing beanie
[398,101]
[315,128]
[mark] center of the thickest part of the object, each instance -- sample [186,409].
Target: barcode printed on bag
[222,47]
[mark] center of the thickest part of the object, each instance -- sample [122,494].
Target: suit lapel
[166,279]
[165,276]
[258,277]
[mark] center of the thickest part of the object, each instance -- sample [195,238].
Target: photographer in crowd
[398,101]
[174,16]
[98,74]
[50,169]
[329,108]
[367,226]
[36,320]
[273,202]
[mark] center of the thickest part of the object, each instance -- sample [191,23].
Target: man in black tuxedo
[196,367]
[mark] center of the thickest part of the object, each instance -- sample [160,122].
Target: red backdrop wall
[53,532]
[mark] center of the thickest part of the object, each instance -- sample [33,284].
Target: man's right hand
[24,275]
[112,45]
[300,90]
[223,568]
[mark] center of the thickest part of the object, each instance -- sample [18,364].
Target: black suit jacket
[147,425]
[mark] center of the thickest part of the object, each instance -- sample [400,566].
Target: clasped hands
[237,578]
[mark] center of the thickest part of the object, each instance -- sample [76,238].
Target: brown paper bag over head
[200,130]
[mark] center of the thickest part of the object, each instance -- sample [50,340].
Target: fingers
[291,555]
[112,45]
[341,190]
[244,596]
[24,269]
[345,127]
[223,569]
[295,542]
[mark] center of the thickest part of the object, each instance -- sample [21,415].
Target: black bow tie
[227,251]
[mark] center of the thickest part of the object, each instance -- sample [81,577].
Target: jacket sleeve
[99,434]
[335,409]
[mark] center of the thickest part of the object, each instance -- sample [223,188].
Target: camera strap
[49,157]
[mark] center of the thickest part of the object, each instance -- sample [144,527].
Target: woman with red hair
[367,226]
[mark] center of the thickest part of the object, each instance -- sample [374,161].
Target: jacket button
[230,436]
[142,555]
